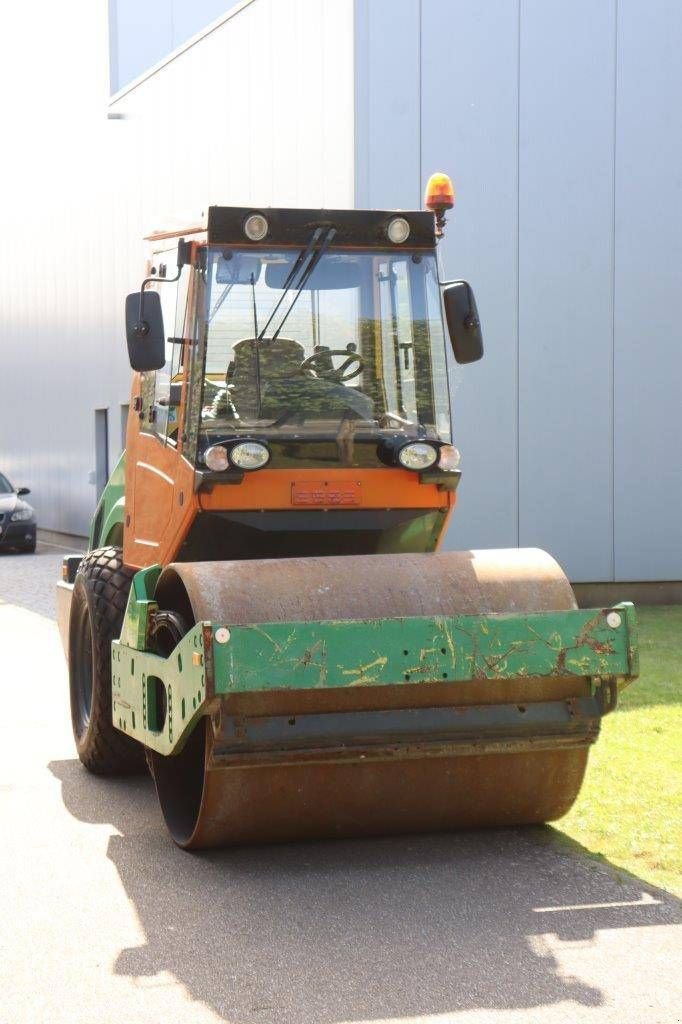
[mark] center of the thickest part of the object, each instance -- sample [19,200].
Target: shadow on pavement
[320,932]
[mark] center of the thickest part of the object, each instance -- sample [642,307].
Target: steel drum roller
[208,804]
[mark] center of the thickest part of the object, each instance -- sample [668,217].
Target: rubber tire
[100,595]
[28,549]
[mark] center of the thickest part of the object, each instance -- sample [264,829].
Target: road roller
[263,618]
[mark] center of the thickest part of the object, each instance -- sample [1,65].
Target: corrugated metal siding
[648,292]
[259,111]
[561,127]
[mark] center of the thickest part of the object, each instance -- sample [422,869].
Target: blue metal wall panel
[560,125]
[387,65]
[648,297]
[469,129]
[566,154]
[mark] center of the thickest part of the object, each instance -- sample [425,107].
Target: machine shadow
[355,930]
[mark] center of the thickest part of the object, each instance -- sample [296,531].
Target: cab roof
[224,225]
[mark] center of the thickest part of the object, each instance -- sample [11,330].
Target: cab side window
[162,388]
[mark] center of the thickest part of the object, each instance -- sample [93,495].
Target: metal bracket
[156,700]
[606,694]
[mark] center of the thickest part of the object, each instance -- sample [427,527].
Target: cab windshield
[350,352]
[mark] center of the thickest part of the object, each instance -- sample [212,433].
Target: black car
[17,518]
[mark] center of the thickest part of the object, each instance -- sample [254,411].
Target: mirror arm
[184,257]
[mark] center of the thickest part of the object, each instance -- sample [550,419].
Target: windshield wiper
[300,260]
[327,241]
[307,259]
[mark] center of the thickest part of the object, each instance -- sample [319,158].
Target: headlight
[22,515]
[250,455]
[418,455]
[216,458]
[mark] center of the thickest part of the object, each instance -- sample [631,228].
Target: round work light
[216,458]
[250,455]
[255,227]
[398,230]
[418,455]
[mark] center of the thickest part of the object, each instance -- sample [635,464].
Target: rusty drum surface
[208,803]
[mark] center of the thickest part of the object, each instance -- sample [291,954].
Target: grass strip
[630,808]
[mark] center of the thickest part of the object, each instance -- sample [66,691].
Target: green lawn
[630,808]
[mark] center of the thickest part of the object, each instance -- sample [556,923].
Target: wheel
[100,595]
[29,548]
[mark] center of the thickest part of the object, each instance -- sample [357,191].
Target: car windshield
[357,352]
[5,485]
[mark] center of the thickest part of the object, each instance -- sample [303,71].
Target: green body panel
[134,691]
[107,522]
[140,605]
[382,652]
[215,660]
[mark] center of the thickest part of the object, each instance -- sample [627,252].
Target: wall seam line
[421,103]
[613,298]
[518,278]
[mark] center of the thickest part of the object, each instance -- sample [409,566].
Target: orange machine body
[162,501]
[164,494]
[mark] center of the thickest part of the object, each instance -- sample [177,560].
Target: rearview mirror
[464,326]
[21,491]
[144,331]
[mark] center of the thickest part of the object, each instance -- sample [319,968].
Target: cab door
[159,478]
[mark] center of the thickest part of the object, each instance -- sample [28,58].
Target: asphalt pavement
[104,921]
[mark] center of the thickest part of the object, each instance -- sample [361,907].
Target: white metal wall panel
[260,111]
[236,118]
[566,143]
[469,129]
[648,297]
[60,280]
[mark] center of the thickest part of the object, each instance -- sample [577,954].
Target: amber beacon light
[439,197]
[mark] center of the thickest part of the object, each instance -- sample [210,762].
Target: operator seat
[279,360]
[285,388]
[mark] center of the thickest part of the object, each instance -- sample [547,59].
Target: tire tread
[103,749]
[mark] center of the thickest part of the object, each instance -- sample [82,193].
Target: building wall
[64,256]
[564,144]
[560,124]
[142,34]
[259,111]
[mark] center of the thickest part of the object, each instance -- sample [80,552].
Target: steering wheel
[340,374]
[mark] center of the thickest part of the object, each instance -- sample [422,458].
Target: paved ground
[103,921]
